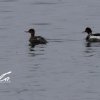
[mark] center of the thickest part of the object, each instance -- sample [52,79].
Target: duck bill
[83,32]
[27,31]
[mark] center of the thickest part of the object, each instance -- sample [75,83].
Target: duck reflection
[88,44]
[35,50]
[92,44]
[91,48]
[32,46]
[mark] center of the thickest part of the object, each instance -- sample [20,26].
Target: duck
[35,40]
[92,37]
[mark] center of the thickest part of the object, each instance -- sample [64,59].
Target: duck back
[37,40]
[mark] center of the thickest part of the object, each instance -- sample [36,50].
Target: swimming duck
[92,37]
[35,40]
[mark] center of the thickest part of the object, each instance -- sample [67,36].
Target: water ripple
[60,40]
[44,3]
[5,11]
[8,0]
[5,91]
[41,23]
[21,91]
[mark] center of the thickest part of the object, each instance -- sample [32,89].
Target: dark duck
[92,37]
[35,40]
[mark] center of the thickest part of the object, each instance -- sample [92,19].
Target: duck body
[92,37]
[35,40]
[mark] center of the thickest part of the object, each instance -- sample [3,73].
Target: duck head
[32,32]
[88,30]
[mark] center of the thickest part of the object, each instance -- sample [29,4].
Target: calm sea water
[67,68]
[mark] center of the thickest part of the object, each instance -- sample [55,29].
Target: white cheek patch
[95,37]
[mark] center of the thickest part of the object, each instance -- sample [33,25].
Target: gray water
[67,68]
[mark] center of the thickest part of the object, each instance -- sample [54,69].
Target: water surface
[67,68]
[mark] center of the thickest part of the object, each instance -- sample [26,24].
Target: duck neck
[32,35]
[89,33]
